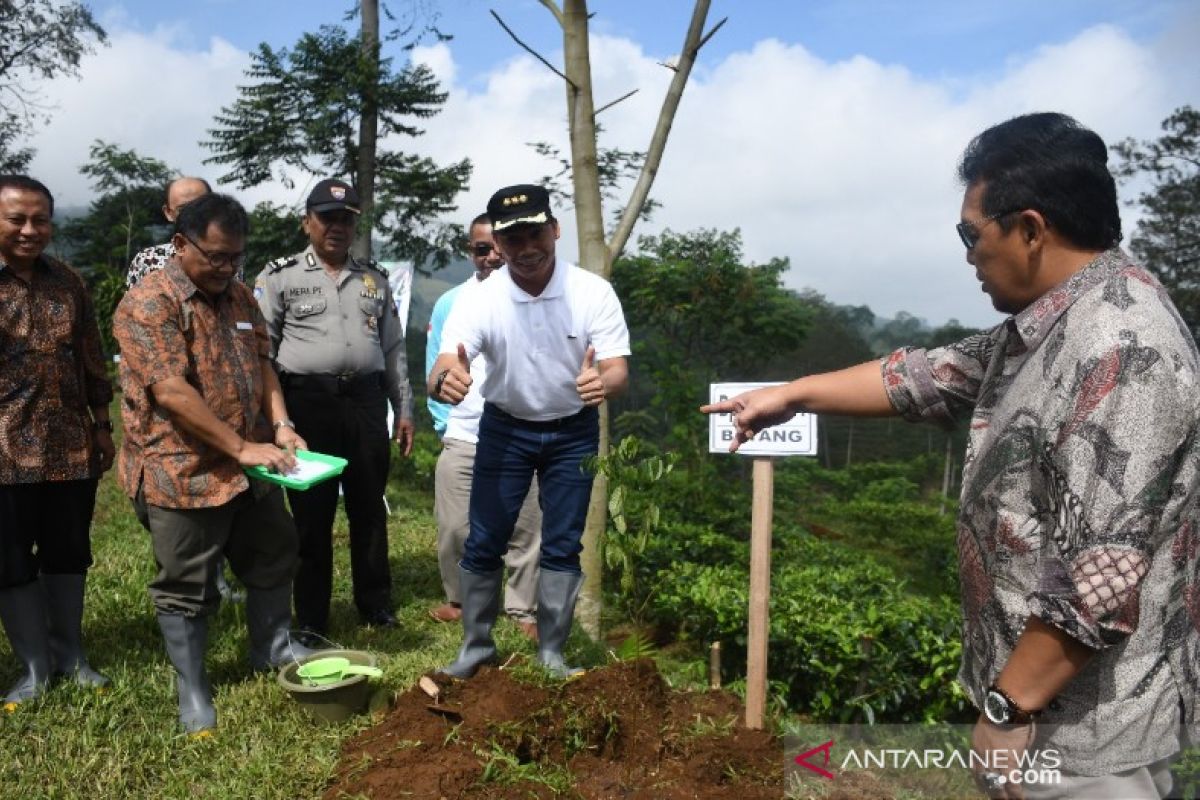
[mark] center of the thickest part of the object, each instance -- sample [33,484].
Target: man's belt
[347,383]
[538,425]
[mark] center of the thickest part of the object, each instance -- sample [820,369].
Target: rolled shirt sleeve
[939,385]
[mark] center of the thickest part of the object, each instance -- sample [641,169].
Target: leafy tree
[120,221]
[1167,238]
[302,112]
[274,231]
[39,41]
[697,315]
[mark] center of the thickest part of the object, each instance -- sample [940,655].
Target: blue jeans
[510,452]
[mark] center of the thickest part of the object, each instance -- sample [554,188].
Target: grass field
[125,743]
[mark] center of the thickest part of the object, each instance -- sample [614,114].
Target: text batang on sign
[796,437]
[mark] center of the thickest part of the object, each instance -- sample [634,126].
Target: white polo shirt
[534,346]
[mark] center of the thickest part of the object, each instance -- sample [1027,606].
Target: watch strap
[441,378]
[1016,714]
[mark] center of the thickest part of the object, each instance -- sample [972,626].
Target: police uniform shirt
[534,346]
[322,327]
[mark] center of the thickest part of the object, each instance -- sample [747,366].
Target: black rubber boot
[64,599]
[480,605]
[269,619]
[23,612]
[187,640]
[556,596]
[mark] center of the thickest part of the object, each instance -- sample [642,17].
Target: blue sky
[829,129]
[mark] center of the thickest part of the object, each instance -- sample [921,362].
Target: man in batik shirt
[200,401]
[1078,525]
[180,192]
[55,441]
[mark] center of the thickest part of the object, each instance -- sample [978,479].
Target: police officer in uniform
[338,345]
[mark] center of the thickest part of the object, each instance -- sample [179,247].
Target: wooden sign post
[797,436]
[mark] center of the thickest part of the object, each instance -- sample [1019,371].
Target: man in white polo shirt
[555,342]
[459,428]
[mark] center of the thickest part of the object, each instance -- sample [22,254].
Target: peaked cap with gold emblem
[524,204]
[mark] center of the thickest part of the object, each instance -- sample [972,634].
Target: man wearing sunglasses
[202,402]
[459,428]
[338,345]
[1078,522]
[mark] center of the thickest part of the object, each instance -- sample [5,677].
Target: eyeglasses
[218,260]
[969,232]
[482,249]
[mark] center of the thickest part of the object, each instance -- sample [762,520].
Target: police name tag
[796,437]
[244,326]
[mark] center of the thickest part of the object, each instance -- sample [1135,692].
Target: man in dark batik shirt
[55,441]
[1078,528]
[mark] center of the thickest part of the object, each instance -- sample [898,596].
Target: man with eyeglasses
[555,342]
[55,441]
[202,402]
[338,344]
[1078,521]
[458,425]
[180,192]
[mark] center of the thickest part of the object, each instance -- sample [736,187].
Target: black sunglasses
[482,249]
[969,232]
[218,260]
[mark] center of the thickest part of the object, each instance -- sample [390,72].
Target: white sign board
[796,437]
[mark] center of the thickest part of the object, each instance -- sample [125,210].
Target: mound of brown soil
[616,732]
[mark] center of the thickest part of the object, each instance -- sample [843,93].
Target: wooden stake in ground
[760,590]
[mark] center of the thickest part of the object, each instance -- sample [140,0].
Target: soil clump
[615,732]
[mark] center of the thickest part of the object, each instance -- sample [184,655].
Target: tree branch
[554,9]
[625,96]
[666,116]
[529,49]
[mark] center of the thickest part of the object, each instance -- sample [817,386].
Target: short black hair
[29,184]
[481,219]
[1047,162]
[228,214]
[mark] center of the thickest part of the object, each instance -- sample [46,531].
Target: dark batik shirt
[1079,501]
[51,372]
[168,328]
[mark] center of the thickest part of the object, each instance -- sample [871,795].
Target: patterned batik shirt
[1079,501]
[168,328]
[151,259]
[51,373]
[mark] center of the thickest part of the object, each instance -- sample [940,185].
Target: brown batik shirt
[1079,502]
[168,328]
[51,372]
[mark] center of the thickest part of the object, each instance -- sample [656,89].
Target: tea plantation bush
[851,642]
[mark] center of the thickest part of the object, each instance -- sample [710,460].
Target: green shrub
[849,640]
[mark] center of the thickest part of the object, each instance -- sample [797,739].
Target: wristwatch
[441,378]
[284,423]
[1000,709]
[102,425]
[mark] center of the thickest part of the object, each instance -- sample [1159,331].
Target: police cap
[332,194]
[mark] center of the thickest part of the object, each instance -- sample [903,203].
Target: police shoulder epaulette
[375,265]
[281,263]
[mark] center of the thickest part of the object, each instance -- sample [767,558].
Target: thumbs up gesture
[453,377]
[589,384]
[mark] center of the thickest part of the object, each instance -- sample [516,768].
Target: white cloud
[846,168]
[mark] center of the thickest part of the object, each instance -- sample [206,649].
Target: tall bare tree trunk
[593,256]
[368,128]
